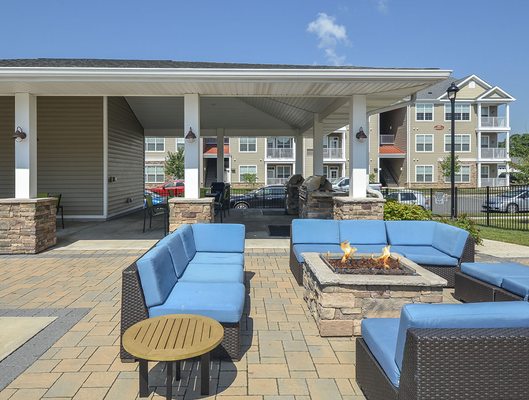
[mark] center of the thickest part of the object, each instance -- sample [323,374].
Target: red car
[171,188]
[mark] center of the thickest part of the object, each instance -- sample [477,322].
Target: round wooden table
[172,338]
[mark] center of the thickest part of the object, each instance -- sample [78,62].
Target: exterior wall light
[190,137]
[361,136]
[19,134]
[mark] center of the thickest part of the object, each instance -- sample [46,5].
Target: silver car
[410,197]
[513,201]
[342,185]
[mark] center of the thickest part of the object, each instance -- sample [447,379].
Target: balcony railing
[277,153]
[494,153]
[332,153]
[493,122]
[276,181]
[493,182]
[387,139]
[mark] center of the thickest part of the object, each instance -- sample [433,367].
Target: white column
[192,150]
[299,154]
[507,144]
[317,145]
[479,115]
[358,152]
[479,145]
[105,157]
[479,174]
[220,154]
[507,116]
[26,149]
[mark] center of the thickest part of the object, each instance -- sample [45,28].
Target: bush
[395,211]
[466,223]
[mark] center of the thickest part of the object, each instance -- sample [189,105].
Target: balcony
[280,153]
[494,153]
[493,182]
[333,153]
[276,181]
[493,122]
[387,139]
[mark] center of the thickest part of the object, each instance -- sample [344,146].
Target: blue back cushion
[508,314]
[315,231]
[363,232]
[414,233]
[157,275]
[221,238]
[449,239]
[186,233]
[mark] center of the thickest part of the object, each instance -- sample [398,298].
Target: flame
[347,250]
[385,256]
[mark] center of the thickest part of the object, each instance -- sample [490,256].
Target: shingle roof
[434,91]
[102,63]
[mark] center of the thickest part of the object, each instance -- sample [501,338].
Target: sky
[489,38]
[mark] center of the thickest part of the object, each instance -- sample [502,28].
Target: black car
[271,196]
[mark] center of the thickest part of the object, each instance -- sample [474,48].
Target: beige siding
[125,158]
[70,152]
[373,143]
[244,158]
[466,92]
[7,147]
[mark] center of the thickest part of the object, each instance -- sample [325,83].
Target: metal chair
[152,210]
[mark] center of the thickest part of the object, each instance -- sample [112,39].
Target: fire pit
[343,289]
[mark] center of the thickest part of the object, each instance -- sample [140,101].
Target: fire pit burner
[365,264]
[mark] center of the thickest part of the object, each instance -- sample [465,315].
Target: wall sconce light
[361,136]
[190,137]
[19,134]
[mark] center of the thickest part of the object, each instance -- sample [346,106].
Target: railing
[493,122]
[332,152]
[494,152]
[387,139]
[276,181]
[277,153]
[493,182]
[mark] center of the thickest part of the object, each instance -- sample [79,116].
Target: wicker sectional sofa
[435,246]
[446,351]
[197,269]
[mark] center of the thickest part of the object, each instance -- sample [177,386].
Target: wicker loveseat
[435,246]
[446,351]
[198,269]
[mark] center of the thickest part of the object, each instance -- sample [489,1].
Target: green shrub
[395,211]
[466,223]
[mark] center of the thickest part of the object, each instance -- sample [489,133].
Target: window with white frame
[180,144]
[331,172]
[424,143]
[247,145]
[154,144]
[461,144]
[485,171]
[461,176]
[247,170]
[424,173]
[462,112]
[424,112]
[154,174]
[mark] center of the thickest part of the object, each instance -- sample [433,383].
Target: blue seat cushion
[369,248]
[174,243]
[519,286]
[494,273]
[380,335]
[157,275]
[450,239]
[363,232]
[314,248]
[507,314]
[223,302]
[414,233]
[186,232]
[315,231]
[221,238]
[196,272]
[205,257]
[425,255]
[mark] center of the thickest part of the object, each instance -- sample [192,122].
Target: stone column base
[358,208]
[27,226]
[190,211]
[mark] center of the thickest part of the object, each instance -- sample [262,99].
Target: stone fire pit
[339,302]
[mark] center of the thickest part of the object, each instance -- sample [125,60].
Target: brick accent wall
[190,211]
[353,208]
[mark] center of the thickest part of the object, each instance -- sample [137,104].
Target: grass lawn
[505,235]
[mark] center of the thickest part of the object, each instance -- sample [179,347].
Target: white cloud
[330,35]
[382,6]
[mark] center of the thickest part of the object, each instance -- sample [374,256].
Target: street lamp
[452,92]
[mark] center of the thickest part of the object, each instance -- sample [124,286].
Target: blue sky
[487,37]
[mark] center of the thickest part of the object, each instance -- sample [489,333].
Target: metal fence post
[431,199]
[456,199]
[488,205]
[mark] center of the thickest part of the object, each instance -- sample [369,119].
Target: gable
[496,94]
[471,90]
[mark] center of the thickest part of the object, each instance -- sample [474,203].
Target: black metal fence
[501,207]
[265,197]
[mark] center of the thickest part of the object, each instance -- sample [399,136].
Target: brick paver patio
[284,356]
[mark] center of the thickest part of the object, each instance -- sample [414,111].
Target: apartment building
[408,144]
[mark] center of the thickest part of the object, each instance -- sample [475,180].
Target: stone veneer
[27,226]
[358,208]
[317,204]
[339,302]
[190,211]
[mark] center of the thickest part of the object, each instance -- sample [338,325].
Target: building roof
[435,91]
[211,149]
[390,149]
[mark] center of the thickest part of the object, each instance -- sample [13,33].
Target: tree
[519,152]
[174,164]
[250,179]
[446,166]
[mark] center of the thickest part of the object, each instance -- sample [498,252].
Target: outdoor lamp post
[452,92]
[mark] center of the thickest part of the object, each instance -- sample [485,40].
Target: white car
[342,185]
[410,197]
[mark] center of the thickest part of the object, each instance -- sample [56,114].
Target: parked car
[156,198]
[342,184]
[410,197]
[271,196]
[512,201]
[171,188]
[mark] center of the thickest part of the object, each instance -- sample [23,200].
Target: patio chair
[152,210]
[60,207]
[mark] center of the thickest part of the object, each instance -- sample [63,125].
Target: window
[423,143]
[424,173]
[331,172]
[424,112]
[247,145]
[154,144]
[180,144]
[247,170]
[462,143]
[283,171]
[485,142]
[154,174]
[462,176]
[462,112]
[485,171]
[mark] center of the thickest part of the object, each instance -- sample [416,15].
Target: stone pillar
[27,226]
[353,208]
[190,211]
